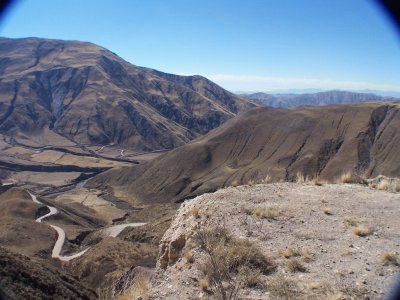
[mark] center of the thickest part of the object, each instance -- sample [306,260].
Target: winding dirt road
[60,232]
[112,231]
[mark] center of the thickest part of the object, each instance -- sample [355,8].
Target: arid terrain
[99,159]
[335,241]
[319,142]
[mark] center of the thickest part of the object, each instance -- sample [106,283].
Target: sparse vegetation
[267,179]
[282,288]
[300,177]
[346,177]
[269,212]
[326,211]
[231,263]
[391,258]
[140,287]
[386,184]
[362,231]
[318,181]
[204,284]
[351,221]
[251,182]
[291,252]
[189,256]
[195,212]
[295,265]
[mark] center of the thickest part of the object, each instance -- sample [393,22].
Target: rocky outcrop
[311,227]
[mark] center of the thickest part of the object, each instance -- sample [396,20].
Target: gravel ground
[318,221]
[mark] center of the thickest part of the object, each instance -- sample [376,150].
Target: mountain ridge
[322,141]
[88,95]
[290,100]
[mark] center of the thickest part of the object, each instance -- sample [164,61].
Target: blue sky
[244,45]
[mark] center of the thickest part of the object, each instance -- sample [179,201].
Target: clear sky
[244,45]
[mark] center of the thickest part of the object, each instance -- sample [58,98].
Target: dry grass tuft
[189,256]
[140,288]
[326,211]
[195,212]
[270,212]
[291,252]
[280,287]
[251,182]
[234,183]
[346,177]
[231,263]
[267,179]
[385,184]
[204,284]
[390,258]
[318,182]
[362,231]
[351,221]
[300,177]
[295,265]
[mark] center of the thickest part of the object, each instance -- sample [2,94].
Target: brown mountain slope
[89,95]
[24,278]
[316,141]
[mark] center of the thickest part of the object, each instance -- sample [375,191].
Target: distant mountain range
[81,92]
[313,99]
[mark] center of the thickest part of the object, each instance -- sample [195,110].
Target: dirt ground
[316,225]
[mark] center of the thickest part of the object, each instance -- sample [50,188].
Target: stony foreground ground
[330,241]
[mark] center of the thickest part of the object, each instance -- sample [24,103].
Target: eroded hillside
[318,142]
[54,91]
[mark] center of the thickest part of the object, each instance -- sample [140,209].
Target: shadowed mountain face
[322,98]
[89,95]
[323,141]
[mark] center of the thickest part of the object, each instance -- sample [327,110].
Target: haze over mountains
[319,98]
[53,89]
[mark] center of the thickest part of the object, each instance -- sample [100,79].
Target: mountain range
[81,92]
[289,100]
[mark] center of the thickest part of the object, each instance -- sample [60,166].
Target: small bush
[351,221]
[346,177]
[362,231]
[283,288]
[327,211]
[195,212]
[189,256]
[204,284]
[295,265]
[317,181]
[390,258]
[267,179]
[231,263]
[251,182]
[140,287]
[271,212]
[291,252]
[300,177]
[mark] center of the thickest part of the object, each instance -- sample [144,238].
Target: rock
[171,251]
